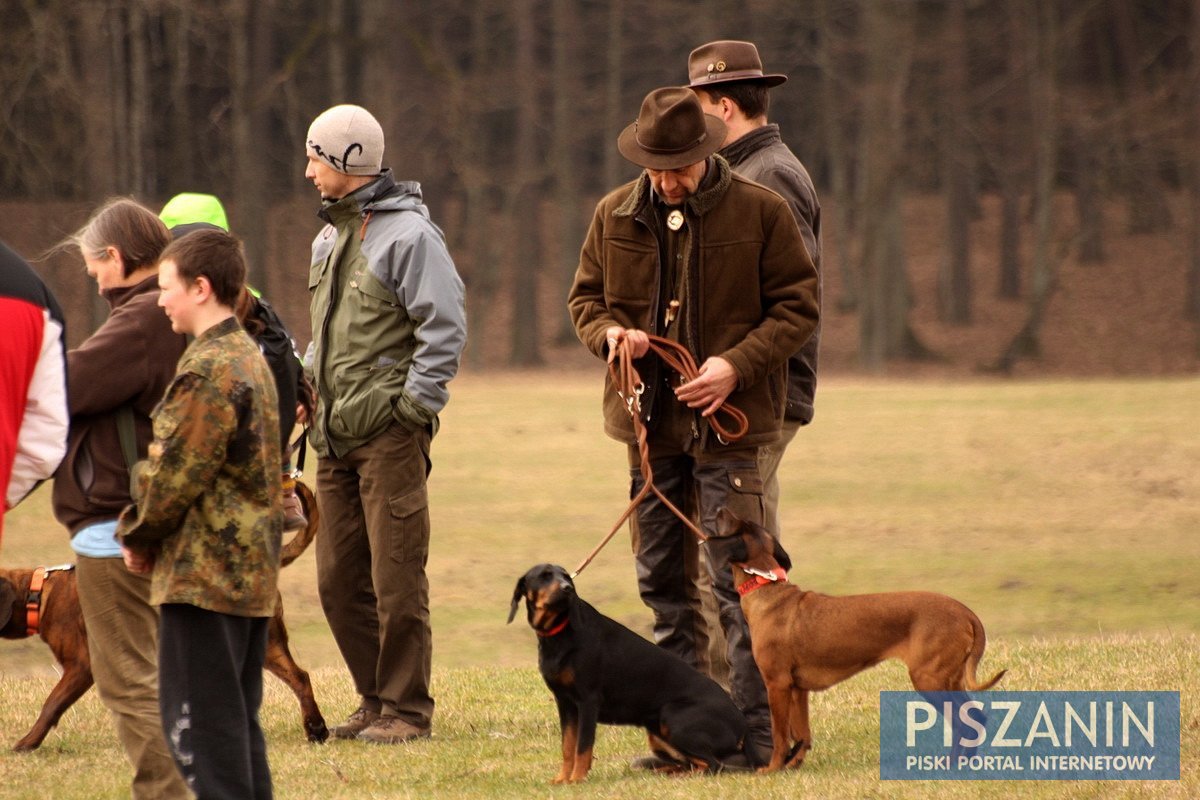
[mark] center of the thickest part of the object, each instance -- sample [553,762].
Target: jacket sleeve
[585,302]
[42,437]
[192,427]
[802,200]
[432,294]
[790,293]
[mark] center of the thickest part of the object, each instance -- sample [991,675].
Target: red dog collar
[759,581]
[556,630]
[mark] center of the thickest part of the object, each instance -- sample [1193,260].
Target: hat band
[737,75]
[667,151]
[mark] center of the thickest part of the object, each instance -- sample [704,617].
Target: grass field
[1064,513]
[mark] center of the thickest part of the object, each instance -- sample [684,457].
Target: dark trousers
[210,678]
[703,482]
[371,557]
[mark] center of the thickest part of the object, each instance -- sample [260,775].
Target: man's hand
[715,380]
[640,340]
[139,562]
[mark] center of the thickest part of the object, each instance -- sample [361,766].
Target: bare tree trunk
[954,273]
[1192,301]
[885,332]
[1148,209]
[843,234]
[182,148]
[335,22]
[251,46]
[566,168]
[98,77]
[614,109]
[1012,172]
[1089,203]
[141,111]
[526,217]
[1042,46]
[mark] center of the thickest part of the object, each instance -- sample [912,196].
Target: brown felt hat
[671,131]
[727,61]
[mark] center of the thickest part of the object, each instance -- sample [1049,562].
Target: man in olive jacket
[695,253]
[388,326]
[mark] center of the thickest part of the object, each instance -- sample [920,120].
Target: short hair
[136,231]
[214,254]
[752,97]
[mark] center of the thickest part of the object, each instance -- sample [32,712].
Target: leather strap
[33,602]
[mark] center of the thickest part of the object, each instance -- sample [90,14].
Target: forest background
[1007,186]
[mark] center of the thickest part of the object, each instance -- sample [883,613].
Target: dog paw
[316,732]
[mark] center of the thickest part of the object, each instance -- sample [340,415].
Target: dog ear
[518,593]
[781,556]
[727,522]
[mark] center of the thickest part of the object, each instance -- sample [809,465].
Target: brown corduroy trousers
[122,631]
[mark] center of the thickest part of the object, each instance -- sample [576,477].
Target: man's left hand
[715,380]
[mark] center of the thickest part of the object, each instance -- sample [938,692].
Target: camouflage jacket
[209,498]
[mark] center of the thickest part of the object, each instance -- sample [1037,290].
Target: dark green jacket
[388,317]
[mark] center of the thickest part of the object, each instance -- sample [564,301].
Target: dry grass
[1063,513]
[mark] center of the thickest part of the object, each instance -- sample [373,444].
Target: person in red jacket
[33,395]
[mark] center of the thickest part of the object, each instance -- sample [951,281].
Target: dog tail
[970,679]
[989,683]
[303,537]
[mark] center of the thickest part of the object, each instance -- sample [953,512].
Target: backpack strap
[128,434]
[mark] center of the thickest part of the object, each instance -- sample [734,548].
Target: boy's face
[177,298]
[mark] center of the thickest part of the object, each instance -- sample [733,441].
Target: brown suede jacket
[130,359]
[756,301]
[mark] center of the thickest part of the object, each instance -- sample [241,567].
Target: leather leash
[630,387]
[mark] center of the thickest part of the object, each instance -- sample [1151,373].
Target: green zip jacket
[388,317]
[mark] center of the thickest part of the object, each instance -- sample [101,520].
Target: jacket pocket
[410,524]
[744,495]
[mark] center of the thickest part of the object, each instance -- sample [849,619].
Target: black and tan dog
[600,671]
[60,625]
[805,641]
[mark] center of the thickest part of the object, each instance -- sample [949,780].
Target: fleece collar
[704,200]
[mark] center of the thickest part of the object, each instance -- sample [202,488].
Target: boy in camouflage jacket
[207,521]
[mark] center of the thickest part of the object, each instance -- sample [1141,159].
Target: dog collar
[761,579]
[555,631]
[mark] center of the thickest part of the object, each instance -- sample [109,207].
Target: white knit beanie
[347,138]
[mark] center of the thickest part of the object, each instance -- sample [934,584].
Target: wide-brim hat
[727,61]
[671,131]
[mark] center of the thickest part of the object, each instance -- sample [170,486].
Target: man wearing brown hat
[728,77]
[388,327]
[693,252]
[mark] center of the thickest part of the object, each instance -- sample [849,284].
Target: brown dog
[61,627]
[805,642]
